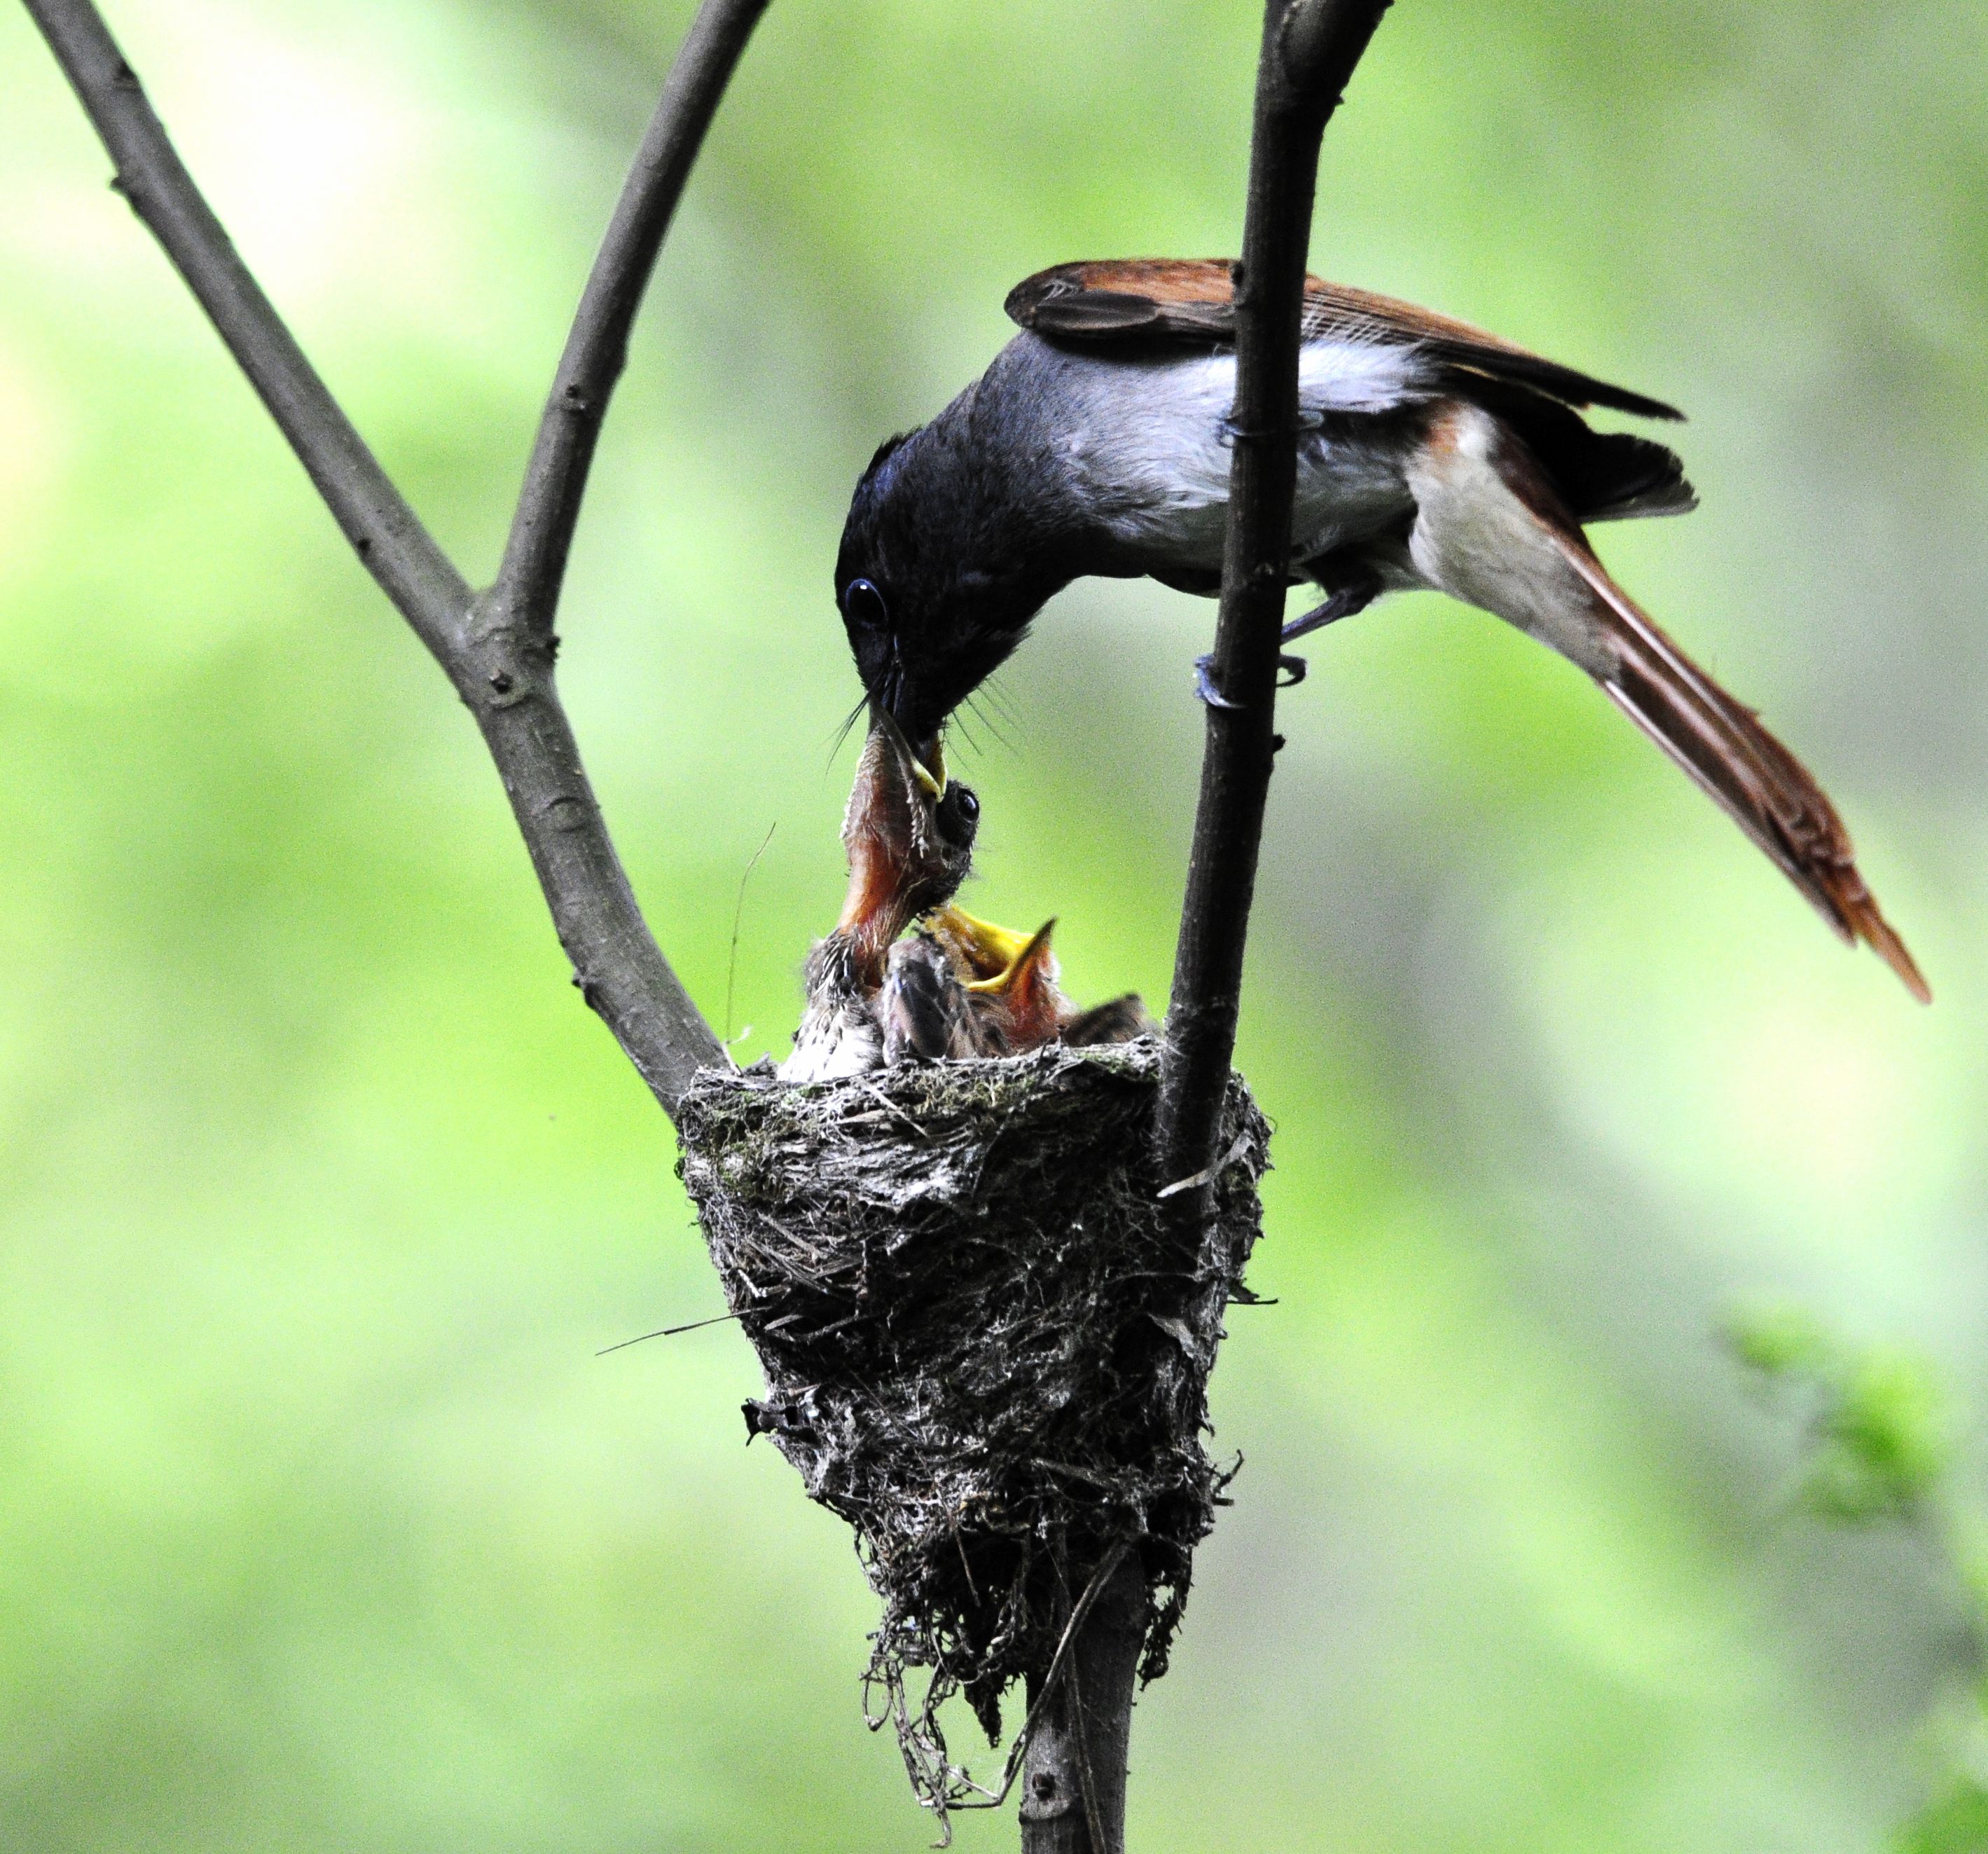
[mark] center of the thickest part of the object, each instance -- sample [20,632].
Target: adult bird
[1431,454]
[909,834]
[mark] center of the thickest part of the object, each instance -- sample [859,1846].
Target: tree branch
[535,557]
[1310,48]
[497,650]
[1073,1773]
[386,534]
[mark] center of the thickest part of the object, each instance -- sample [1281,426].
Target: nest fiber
[979,1349]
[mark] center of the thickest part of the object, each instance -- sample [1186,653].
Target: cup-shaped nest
[986,1340]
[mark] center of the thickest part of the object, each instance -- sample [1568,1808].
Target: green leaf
[1883,1449]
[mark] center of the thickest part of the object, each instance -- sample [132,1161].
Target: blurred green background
[321,1524]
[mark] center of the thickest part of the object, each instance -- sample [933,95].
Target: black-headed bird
[1431,454]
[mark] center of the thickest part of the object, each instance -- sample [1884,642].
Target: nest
[979,1349]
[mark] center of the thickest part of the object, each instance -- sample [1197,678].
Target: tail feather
[1722,745]
[1493,528]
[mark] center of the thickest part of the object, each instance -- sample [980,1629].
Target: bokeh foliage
[1878,1452]
[323,1526]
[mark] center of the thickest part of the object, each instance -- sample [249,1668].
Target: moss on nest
[977,1347]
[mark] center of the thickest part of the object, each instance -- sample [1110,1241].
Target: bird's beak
[1032,969]
[1002,961]
[930,767]
[926,765]
[987,950]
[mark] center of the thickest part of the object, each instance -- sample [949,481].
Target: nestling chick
[909,836]
[960,987]
[1011,984]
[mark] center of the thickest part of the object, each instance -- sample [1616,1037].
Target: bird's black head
[940,570]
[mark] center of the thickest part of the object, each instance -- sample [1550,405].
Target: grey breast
[1141,443]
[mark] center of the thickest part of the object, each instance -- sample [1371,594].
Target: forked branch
[497,648]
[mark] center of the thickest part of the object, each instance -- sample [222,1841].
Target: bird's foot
[1345,601]
[1203,685]
[1292,668]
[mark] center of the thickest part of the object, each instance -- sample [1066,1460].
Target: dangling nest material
[977,1349]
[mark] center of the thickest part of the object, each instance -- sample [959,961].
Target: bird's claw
[1203,685]
[1293,669]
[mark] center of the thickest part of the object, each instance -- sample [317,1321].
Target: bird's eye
[862,605]
[958,816]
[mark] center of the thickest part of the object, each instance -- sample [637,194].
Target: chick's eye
[958,816]
[862,605]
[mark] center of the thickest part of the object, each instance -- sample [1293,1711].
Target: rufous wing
[1192,301]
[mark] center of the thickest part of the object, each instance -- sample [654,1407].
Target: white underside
[1475,539]
[1155,461]
[1151,449]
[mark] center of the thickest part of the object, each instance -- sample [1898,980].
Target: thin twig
[738,916]
[1310,49]
[386,533]
[597,349]
[665,1332]
[501,666]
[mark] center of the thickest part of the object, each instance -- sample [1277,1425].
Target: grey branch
[528,586]
[1073,1777]
[1310,49]
[498,648]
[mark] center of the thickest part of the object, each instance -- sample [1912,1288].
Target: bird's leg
[1358,586]
[1358,589]
[1342,603]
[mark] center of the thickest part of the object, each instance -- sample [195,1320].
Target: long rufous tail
[1492,529]
[1769,792]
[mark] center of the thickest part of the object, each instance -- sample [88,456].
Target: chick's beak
[878,833]
[926,765]
[1031,971]
[1025,987]
[888,834]
[988,951]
